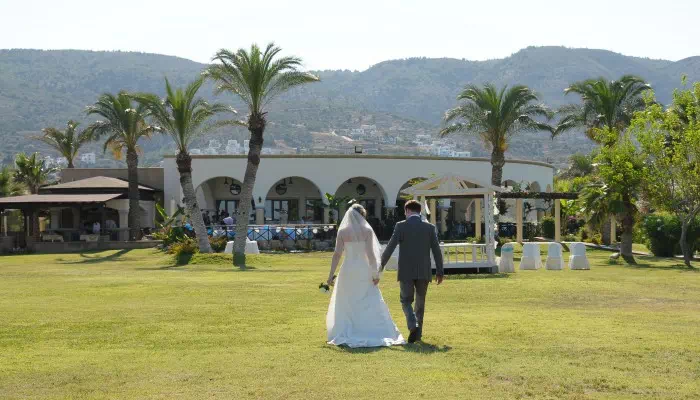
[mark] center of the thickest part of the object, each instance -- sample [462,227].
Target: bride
[357,315]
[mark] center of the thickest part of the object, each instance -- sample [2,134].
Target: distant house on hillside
[88,158]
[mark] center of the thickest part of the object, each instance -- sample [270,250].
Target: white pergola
[451,186]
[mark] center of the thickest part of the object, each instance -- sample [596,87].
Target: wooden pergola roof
[451,186]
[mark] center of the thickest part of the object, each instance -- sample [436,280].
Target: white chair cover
[578,259]
[531,256]
[393,263]
[251,247]
[505,263]
[555,261]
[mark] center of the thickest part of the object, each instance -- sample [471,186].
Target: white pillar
[123,225]
[477,218]
[55,218]
[326,214]
[443,217]
[259,215]
[519,219]
[489,228]
[433,211]
[557,220]
[4,225]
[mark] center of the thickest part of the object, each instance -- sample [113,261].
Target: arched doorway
[401,199]
[370,194]
[294,200]
[220,197]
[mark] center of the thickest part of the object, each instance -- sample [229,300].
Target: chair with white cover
[531,256]
[555,260]
[578,259]
[505,263]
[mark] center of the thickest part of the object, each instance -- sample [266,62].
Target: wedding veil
[355,228]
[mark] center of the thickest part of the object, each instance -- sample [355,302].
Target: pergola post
[519,220]
[433,217]
[557,220]
[488,228]
[443,216]
[477,218]
[4,224]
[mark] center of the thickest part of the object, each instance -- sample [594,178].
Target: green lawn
[133,325]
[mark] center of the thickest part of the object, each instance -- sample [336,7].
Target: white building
[87,158]
[298,183]
[61,162]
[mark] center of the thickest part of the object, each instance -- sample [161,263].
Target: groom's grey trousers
[419,287]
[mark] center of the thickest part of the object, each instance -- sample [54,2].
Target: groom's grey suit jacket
[417,239]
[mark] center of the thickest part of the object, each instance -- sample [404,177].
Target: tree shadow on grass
[675,267]
[95,258]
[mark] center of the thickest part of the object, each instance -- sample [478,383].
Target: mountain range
[46,88]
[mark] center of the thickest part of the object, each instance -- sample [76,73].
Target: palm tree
[256,77]
[67,142]
[181,114]
[32,172]
[125,125]
[8,185]
[495,116]
[606,103]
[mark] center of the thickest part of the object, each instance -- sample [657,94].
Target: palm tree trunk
[687,256]
[256,126]
[498,160]
[184,166]
[132,164]
[605,231]
[626,237]
[70,163]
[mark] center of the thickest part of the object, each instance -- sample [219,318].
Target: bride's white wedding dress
[357,314]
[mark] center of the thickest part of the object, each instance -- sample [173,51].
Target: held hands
[376,281]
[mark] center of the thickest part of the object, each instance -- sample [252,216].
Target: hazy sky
[354,34]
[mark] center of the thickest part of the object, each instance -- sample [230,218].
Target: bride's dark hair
[359,209]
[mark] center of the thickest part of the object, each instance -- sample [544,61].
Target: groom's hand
[376,281]
[438,279]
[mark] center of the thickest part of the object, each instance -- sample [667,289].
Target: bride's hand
[376,281]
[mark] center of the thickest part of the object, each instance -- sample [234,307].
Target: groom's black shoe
[412,337]
[419,334]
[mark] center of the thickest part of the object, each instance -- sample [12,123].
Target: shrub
[596,239]
[663,233]
[548,227]
[583,234]
[218,244]
[186,246]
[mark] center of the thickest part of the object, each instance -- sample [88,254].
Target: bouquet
[324,288]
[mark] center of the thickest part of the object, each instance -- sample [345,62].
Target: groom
[417,239]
